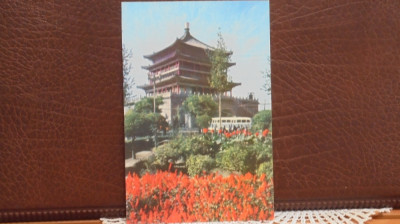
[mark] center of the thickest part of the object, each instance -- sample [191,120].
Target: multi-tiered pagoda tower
[182,69]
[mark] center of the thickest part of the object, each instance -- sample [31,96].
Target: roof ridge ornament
[187,27]
[186,36]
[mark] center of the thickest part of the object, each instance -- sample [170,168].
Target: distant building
[182,69]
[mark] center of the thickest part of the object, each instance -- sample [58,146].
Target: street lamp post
[154,110]
[154,93]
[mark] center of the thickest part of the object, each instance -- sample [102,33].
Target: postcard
[198,127]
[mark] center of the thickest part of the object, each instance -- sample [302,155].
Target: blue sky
[148,27]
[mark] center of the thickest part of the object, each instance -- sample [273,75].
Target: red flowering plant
[167,197]
[265,133]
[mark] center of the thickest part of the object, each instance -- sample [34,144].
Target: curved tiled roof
[188,39]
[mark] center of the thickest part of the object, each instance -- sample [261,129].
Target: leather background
[335,93]
[61,114]
[336,103]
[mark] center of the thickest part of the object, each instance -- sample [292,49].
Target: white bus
[231,123]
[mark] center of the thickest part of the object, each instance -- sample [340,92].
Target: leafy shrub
[262,151]
[200,144]
[196,164]
[266,169]
[182,147]
[242,152]
[172,150]
[236,157]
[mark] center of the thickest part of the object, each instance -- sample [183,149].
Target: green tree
[141,121]
[175,124]
[220,63]
[261,120]
[158,122]
[202,107]
[126,69]
[267,76]
[136,124]
[203,121]
[142,124]
[146,105]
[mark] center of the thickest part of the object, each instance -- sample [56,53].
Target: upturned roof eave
[177,56]
[150,56]
[183,40]
[185,80]
[175,79]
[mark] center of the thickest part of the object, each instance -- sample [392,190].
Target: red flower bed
[265,132]
[169,197]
